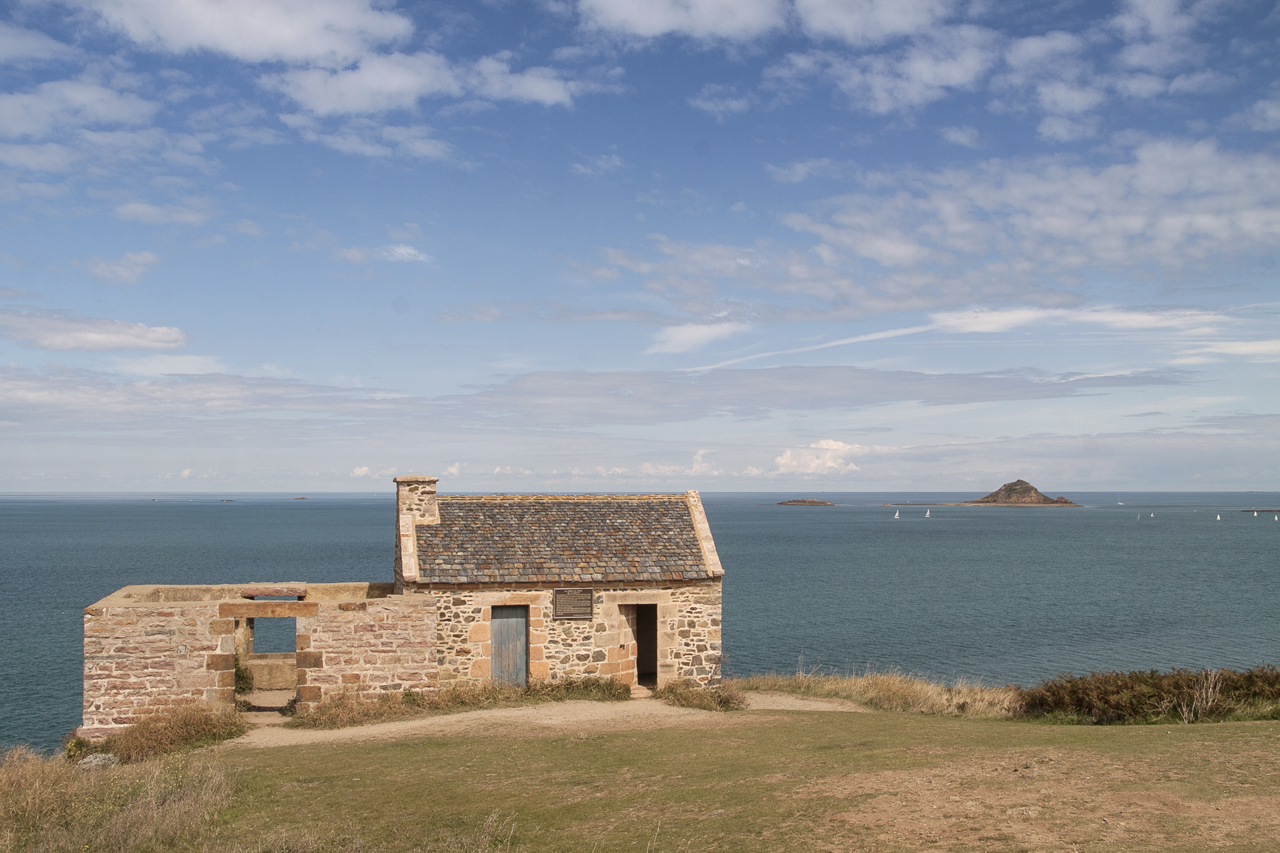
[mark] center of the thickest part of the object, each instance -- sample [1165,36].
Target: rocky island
[1017,493]
[805,502]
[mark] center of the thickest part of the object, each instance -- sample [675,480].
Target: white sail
[926,513]
[895,513]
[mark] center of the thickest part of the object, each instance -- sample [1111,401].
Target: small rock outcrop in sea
[1021,493]
[805,502]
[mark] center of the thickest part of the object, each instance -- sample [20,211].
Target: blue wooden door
[509,633]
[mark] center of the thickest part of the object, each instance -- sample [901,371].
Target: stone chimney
[415,505]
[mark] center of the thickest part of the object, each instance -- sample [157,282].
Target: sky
[639,245]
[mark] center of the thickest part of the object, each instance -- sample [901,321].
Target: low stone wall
[148,648]
[140,658]
[688,633]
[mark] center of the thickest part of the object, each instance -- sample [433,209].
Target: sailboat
[895,513]
[1255,513]
[926,513]
[1219,516]
[1153,515]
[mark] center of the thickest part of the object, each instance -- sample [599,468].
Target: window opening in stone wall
[268,657]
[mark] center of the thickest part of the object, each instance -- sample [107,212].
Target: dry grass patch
[349,711]
[184,727]
[724,696]
[50,804]
[895,691]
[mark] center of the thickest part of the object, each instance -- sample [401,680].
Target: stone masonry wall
[364,648]
[688,633]
[149,648]
[140,659]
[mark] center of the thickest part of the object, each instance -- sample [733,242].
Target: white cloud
[43,157]
[248,227]
[1263,115]
[1264,349]
[20,46]
[598,165]
[870,22]
[800,170]
[698,467]
[676,339]
[172,365]
[399,252]
[969,137]
[1158,33]
[492,78]
[1062,129]
[372,139]
[930,67]
[403,253]
[822,457]
[364,471]
[993,320]
[1172,203]
[321,31]
[128,268]
[377,83]
[195,212]
[721,101]
[64,104]
[59,331]
[382,82]
[736,20]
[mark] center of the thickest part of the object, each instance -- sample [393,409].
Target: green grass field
[774,780]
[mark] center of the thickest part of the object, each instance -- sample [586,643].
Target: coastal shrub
[183,727]
[724,696]
[1149,696]
[895,691]
[347,710]
[48,803]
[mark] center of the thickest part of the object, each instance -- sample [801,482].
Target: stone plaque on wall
[572,603]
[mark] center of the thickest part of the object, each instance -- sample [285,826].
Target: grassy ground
[768,780]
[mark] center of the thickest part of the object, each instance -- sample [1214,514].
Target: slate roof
[560,539]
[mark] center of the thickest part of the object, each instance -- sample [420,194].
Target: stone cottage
[510,588]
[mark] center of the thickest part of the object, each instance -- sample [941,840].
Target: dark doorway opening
[647,644]
[509,634]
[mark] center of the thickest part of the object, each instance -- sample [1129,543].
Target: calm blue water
[1004,594]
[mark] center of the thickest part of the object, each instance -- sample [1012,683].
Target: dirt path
[549,718]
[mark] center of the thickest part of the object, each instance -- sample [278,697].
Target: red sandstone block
[350,678]
[220,662]
[222,627]
[309,660]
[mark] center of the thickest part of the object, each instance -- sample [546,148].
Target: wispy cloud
[129,268]
[52,330]
[692,336]
[398,252]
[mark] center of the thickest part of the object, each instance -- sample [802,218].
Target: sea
[880,581]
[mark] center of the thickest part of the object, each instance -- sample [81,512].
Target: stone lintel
[267,609]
